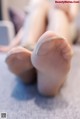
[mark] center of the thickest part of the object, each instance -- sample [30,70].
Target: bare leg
[59,24]
[19,59]
[52,54]
[35,24]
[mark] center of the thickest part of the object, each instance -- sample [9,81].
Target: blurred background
[12,16]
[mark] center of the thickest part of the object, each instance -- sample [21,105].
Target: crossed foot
[50,60]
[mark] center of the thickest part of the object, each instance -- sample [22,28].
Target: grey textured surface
[24,102]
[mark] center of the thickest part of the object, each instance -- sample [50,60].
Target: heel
[47,86]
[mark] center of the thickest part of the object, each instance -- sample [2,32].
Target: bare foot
[19,63]
[52,58]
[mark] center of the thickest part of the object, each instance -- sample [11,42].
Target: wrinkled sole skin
[52,59]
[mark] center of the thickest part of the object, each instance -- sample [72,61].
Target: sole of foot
[19,63]
[52,59]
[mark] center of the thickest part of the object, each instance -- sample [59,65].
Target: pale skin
[51,57]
